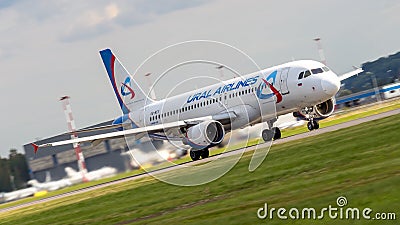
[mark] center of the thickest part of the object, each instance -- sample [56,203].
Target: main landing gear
[269,134]
[196,154]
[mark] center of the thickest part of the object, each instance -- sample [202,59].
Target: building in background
[56,159]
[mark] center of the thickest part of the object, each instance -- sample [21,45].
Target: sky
[49,49]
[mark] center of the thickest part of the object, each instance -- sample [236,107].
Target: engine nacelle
[204,134]
[320,111]
[325,109]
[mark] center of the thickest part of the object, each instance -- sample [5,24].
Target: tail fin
[129,95]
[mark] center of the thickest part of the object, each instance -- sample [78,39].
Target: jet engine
[320,111]
[204,134]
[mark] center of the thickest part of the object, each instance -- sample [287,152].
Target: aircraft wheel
[277,133]
[310,126]
[205,153]
[315,124]
[267,135]
[195,155]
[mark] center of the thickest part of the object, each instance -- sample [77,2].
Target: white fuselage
[249,96]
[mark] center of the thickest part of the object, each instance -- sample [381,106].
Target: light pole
[151,87]
[375,84]
[320,50]
[221,73]
[388,73]
[72,129]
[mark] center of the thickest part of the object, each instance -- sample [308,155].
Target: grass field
[361,163]
[344,116]
[348,115]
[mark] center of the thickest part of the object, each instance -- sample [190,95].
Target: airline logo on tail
[126,89]
[275,92]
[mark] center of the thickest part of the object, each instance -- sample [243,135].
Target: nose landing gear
[196,154]
[310,116]
[312,125]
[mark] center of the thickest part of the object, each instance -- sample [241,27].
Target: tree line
[385,69]
[14,172]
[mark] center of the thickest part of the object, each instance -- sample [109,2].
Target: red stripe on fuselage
[276,92]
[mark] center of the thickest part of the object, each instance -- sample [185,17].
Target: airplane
[76,177]
[18,194]
[152,153]
[51,185]
[201,118]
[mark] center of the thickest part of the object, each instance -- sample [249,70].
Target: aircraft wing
[100,128]
[139,132]
[350,74]
[117,134]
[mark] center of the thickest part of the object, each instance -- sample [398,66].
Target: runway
[226,154]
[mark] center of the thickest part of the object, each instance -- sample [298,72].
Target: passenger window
[301,75]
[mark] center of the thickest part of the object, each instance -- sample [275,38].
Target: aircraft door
[283,81]
[225,99]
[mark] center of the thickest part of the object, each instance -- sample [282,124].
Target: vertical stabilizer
[129,95]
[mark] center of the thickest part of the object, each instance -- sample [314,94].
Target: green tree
[18,169]
[5,184]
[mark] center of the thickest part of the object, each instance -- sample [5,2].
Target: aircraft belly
[245,115]
[267,109]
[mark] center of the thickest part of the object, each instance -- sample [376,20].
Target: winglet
[35,147]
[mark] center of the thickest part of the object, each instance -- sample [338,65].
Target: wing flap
[101,128]
[117,134]
[140,132]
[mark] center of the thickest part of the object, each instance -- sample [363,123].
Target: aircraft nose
[331,85]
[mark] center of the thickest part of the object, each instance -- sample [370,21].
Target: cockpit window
[307,73]
[317,71]
[326,69]
[301,75]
